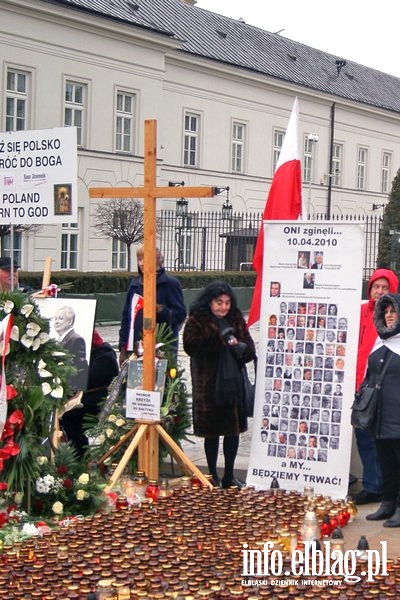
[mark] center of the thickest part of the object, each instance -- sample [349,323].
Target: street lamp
[181,209]
[227,208]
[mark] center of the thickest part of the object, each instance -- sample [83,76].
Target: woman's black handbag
[249,390]
[365,405]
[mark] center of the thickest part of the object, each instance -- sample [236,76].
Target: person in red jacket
[382,282]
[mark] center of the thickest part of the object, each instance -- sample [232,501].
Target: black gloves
[228,335]
[238,350]
[226,330]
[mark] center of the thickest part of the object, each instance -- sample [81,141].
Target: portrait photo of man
[275,289]
[308,281]
[71,324]
[64,320]
[318,260]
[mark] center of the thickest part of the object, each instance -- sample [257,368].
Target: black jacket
[168,295]
[387,424]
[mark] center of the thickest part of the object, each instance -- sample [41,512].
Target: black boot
[385,511]
[394,521]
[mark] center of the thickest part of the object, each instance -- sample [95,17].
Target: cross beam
[150,192]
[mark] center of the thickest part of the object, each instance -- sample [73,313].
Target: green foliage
[63,487]
[389,243]
[37,376]
[90,283]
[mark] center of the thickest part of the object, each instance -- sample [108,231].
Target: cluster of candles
[187,543]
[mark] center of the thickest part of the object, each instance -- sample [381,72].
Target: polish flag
[283,202]
[136,305]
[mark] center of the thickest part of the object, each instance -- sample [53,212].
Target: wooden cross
[148,451]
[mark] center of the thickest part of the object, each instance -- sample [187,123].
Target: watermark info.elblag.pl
[269,567]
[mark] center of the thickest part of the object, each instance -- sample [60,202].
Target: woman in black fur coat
[218,343]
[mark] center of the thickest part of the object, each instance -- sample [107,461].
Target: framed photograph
[72,324]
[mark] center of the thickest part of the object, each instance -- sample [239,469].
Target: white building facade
[220,121]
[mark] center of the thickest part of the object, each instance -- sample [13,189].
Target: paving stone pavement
[374,531]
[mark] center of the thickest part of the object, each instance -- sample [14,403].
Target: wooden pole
[147,437]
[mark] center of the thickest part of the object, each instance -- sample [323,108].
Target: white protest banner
[311,296]
[38,176]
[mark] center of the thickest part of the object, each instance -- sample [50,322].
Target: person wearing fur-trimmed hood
[386,429]
[218,343]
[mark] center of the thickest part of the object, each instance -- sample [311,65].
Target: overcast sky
[351,29]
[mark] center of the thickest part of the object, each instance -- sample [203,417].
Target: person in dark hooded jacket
[219,344]
[170,306]
[386,429]
[382,281]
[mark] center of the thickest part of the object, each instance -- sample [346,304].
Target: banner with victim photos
[309,323]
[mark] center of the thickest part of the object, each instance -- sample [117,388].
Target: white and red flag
[283,202]
[136,305]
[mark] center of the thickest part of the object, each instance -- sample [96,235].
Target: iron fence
[208,242]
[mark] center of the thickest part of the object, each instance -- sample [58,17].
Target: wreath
[112,424]
[35,477]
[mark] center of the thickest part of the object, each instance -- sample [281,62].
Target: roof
[246,232]
[233,42]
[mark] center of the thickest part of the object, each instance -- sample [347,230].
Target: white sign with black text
[142,404]
[38,176]
[309,325]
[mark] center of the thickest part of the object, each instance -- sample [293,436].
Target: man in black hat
[5,274]
[5,277]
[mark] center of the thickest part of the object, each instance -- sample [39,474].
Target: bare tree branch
[6,229]
[121,219]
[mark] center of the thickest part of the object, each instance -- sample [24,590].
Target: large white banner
[308,342]
[38,176]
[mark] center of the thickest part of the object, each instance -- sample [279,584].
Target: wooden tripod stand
[147,433]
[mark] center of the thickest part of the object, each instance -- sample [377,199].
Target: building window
[17,97]
[337,161]
[191,140]
[119,254]
[69,246]
[386,171]
[238,147]
[362,156]
[74,108]
[124,122]
[6,246]
[278,142]
[308,159]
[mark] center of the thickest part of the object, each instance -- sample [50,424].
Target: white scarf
[393,343]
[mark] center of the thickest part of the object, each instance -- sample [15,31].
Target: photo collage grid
[304,373]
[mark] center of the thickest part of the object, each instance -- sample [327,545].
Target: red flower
[17,419]
[11,392]
[68,483]
[62,469]
[7,431]
[3,518]
[10,448]
[3,486]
